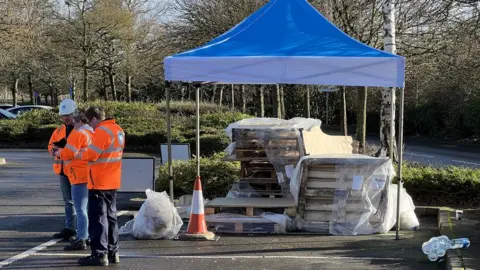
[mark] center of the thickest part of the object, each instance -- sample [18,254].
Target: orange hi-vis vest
[57,135]
[75,169]
[104,156]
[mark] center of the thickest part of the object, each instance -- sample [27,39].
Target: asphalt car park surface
[31,211]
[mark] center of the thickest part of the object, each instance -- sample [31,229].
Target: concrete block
[446,226]
[426,211]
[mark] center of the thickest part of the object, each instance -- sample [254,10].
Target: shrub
[450,186]
[144,125]
[217,176]
[40,117]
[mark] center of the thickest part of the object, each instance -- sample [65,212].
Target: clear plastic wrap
[350,193]
[242,190]
[273,123]
[273,140]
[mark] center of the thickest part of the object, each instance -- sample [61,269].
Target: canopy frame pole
[400,158]
[169,139]
[197,101]
[392,125]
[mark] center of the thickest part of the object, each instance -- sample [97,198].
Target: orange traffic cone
[197,227]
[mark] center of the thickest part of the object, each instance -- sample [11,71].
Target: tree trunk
[244,99]
[221,96]
[74,88]
[30,88]
[129,87]
[113,88]
[387,112]
[14,91]
[362,117]
[233,97]
[277,106]
[282,102]
[273,101]
[85,80]
[214,91]
[307,102]
[104,86]
[345,120]
[182,93]
[46,99]
[55,94]
[52,96]
[261,101]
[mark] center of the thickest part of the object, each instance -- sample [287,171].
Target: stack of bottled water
[437,246]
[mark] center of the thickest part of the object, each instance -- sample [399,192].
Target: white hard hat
[67,107]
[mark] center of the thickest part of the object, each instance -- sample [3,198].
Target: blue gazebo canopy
[287,42]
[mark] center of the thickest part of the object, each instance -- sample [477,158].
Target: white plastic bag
[157,218]
[408,218]
[127,228]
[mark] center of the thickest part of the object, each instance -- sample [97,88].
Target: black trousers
[102,218]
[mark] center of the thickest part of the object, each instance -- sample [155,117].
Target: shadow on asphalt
[46,263]
[36,224]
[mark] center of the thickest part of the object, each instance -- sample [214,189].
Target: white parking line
[465,162]
[418,155]
[136,256]
[38,248]
[29,252]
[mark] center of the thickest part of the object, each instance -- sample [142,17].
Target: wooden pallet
[262,177]
[250,204]
[321,187]
[250,225]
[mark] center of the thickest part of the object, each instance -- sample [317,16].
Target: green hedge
[451,186]
[217,176]
[144,125]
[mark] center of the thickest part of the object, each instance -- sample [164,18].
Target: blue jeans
[67,199]
[80,202]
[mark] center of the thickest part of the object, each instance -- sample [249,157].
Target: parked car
[6,115]
[6,106]
[21,109]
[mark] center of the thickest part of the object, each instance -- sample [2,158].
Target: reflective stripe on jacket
[104,155]
[75,169]
[57,135]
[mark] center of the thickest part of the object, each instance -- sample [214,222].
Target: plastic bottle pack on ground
[156,219]
[437,246]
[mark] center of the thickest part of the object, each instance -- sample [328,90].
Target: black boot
[76,245]
[65,234]
[113,257]
[98,260]
[74,239]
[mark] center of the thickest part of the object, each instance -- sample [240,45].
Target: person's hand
[58,153]
[54,151]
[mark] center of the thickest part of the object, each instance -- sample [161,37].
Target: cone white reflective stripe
[197,202]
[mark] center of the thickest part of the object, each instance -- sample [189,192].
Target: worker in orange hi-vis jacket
[77,172]
[104,156]
[58,141]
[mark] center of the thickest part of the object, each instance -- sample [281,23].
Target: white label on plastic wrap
[378,183]
[357,182]
[280,177]
[289,171]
